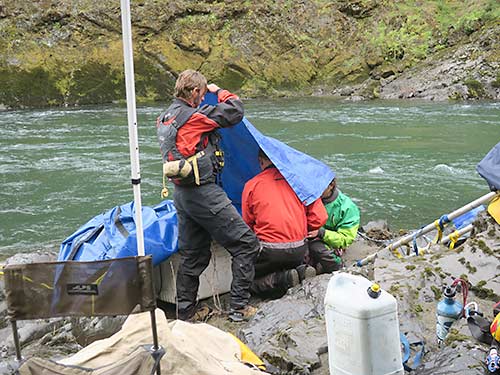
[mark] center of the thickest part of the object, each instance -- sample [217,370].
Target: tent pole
[132,121]
[459,233]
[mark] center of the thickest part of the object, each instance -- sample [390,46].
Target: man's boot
[305,272]
[292,278]
[243,314]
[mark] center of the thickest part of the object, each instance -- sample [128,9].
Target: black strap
[119,225]
[480,328]
[94,232]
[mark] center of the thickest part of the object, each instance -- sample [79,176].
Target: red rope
[465,292]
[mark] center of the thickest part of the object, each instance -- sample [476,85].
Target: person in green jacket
[328,244]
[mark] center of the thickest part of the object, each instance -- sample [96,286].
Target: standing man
[281,221]
[328,244]
[192,160]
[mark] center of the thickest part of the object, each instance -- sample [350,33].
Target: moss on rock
[254,48]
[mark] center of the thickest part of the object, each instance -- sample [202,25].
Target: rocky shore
[290,332]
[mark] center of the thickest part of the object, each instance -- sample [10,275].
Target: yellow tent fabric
[494,209]
[247,356]
[495,328]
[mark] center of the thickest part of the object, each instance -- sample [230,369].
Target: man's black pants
[272,265]
[323,258]
[205,213]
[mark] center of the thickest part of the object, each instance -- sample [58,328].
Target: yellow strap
[453,239]
[196,171]
[97,282]
[396,252]
[164,190]
[26,278]
[422,251]
[194,160]
[439,232]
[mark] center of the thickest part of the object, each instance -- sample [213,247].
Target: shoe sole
[236,318]
[309,272]
[242,317]
[294,278]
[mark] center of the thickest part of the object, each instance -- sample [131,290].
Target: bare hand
[312,234]
[213,87]
[339,252]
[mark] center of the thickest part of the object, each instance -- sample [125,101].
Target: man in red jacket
[281,222]
[192,159]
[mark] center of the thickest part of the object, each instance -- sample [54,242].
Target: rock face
[290,333]
[461,75]
[66,53]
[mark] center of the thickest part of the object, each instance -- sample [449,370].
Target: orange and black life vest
[205,162]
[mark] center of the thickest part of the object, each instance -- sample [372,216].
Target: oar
[438,224]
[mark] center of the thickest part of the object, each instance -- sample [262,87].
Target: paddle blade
[494,209]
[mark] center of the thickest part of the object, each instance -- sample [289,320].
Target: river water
[405,162]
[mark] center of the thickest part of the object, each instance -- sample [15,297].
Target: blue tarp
[489,168]
[112,234]
[307,176]
[467,218]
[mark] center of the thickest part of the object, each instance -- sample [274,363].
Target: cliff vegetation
[69,52]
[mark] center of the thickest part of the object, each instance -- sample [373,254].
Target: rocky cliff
[69,52]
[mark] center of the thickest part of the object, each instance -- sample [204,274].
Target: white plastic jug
[362,328]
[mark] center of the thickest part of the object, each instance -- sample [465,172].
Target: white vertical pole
[132,120]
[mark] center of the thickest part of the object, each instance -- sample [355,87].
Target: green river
[405,162]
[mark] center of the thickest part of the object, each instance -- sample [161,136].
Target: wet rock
[463,358]
[377,225]
[346,91]
[8,366]
[377,231]
[355,98]
[30,331]
[290,332]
